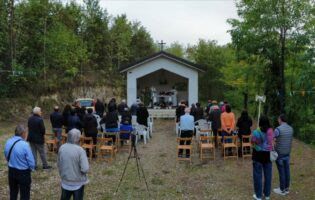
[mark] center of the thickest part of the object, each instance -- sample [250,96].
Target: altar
[161,99]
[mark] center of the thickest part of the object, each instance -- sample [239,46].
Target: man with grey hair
[36,136]
[187,126]
[20,163]
[73,166]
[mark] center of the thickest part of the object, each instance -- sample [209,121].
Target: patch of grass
[157,181]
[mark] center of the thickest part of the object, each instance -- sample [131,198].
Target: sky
[183,21]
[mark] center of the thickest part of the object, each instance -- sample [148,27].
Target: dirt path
[168,179]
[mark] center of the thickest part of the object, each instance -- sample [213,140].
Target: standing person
[215,119]
[20,163]
[122,106]
[283,143]
[193,111]
[133,108]
[36,133]
[199,112]
[244,123]
[56,120]
[65,114]
[74,121]
[187,126]
[142,115]
[262,145]
[99,108]
[73,166]
[90,125]
[227,121]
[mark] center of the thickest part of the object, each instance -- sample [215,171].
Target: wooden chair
[206,143]
[51,142]
[105,146]
[64,137]
[125,143]
[87,144]
[246,146]
[111,135]
[184,147]
[230,143]
[219,138]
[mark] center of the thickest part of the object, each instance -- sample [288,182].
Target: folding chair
[87,144]
[246,146]
[105,146]
[184,147]
[206,143]
[229,143]
[51,142]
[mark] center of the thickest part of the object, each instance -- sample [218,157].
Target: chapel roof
[158,55]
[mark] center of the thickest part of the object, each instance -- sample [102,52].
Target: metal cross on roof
[161,45]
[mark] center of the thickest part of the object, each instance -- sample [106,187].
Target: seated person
[111,122]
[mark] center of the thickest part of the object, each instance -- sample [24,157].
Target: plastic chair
[142,130]
[150,125]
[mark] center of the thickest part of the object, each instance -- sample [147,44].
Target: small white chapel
[162,80]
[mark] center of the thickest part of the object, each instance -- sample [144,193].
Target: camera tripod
[139,166]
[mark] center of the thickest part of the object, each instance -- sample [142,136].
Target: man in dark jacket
[36,132]
[74,121]
[56,120]
[122,106]
[90,125]
[99,108]
[215,118]
[142,115]
[199,112]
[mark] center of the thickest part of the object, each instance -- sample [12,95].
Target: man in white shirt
[187,128]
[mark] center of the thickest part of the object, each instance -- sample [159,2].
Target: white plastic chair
[142,130]
[150,125]
[134,120]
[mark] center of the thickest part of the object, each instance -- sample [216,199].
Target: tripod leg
[139,164]
[122,176]
[136,156]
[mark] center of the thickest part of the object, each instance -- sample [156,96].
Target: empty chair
[51,142]
[87,144]
[142,130]
[206,143]
[246,146]
[150,125]
[105,147]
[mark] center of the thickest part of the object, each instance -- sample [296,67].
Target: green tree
[265,29]
[176,49]
[141,43]
[211,57]
[121,35]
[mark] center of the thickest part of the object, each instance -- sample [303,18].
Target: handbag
[273,155]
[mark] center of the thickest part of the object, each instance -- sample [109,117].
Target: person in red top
[227,121]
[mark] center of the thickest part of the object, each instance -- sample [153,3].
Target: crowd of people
[264,139]
[21,149]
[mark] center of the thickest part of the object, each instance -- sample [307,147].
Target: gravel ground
[167,178]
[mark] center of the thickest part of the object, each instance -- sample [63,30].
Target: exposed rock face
[21,108]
